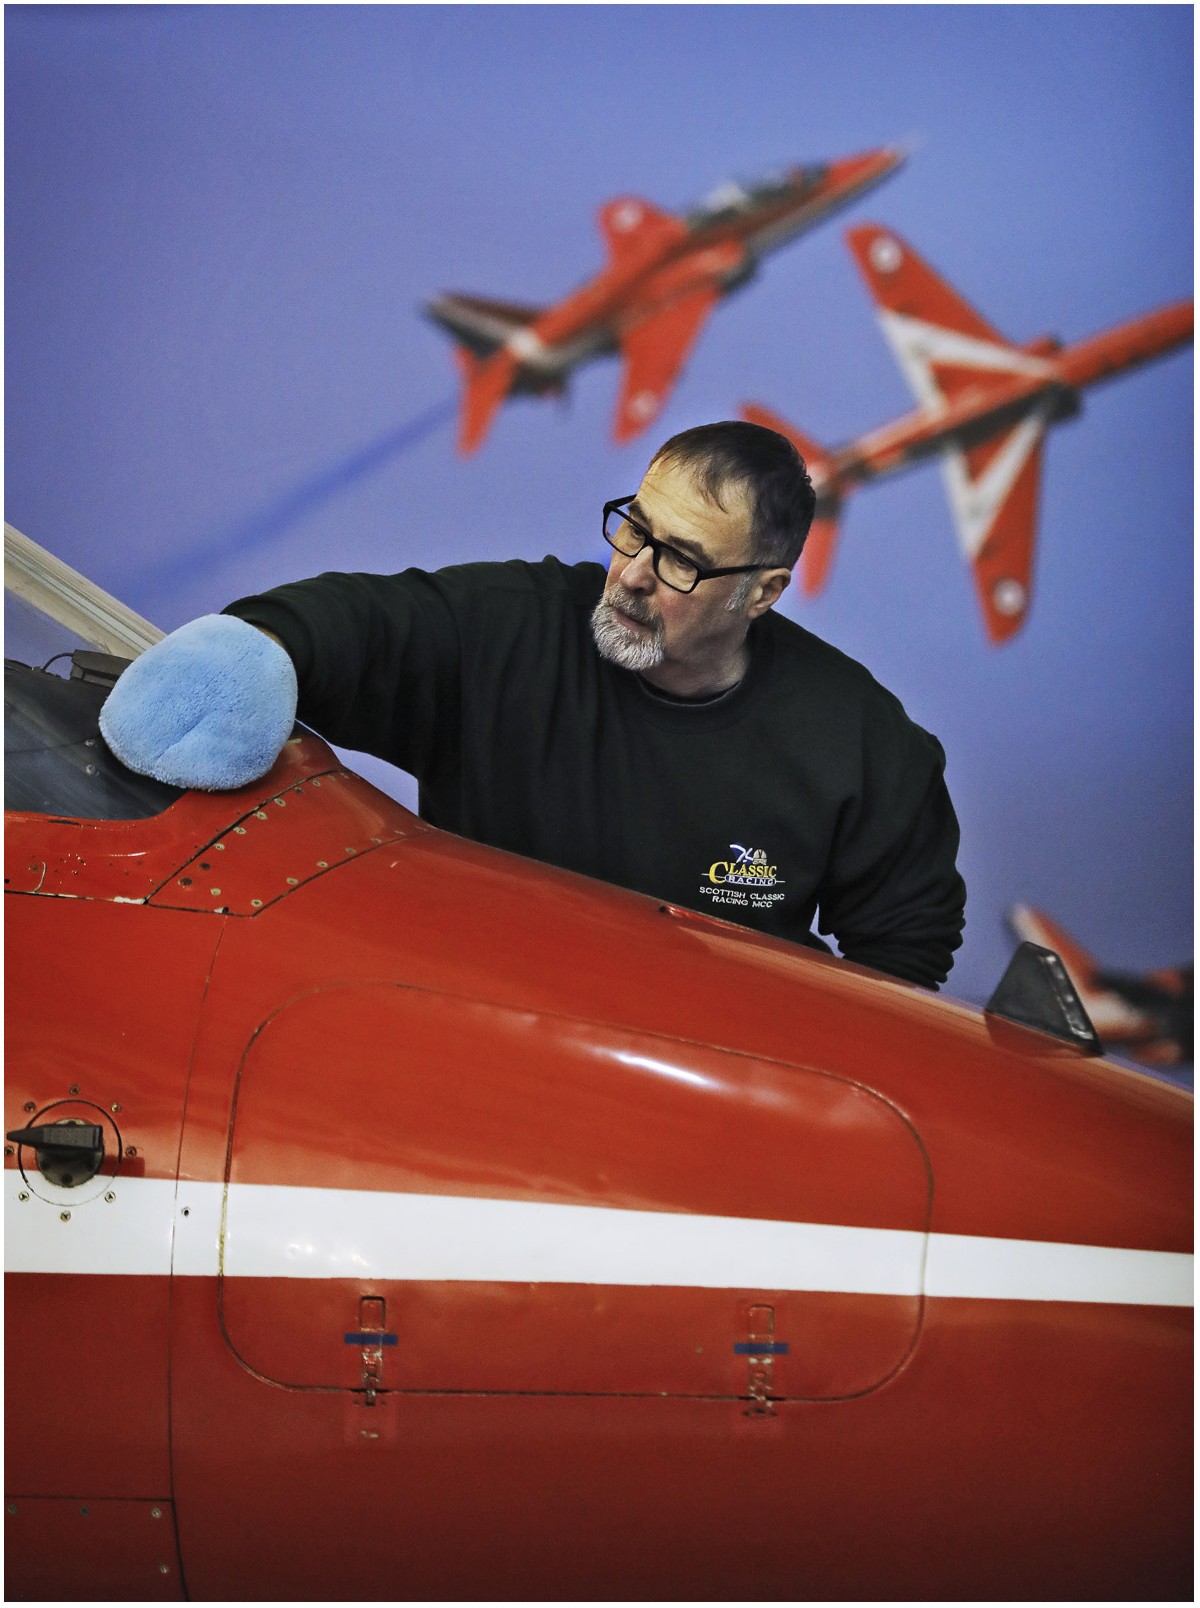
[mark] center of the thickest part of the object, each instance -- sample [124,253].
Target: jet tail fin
[817,558]
[903,284]
[486,382]
[1034,926]
[479,323]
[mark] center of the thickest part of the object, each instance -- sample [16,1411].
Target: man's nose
[638,574]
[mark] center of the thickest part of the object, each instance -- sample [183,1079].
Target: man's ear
[768,589]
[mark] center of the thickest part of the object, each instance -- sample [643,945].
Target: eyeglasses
[670,565]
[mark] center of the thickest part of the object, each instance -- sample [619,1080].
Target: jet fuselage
[466,1229]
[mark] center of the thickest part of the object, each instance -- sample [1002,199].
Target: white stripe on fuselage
[151,1226]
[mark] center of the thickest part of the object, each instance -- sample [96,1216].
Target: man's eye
[680,566]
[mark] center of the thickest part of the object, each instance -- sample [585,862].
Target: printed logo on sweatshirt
[744,877]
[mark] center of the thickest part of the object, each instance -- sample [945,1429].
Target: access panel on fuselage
[426,1193]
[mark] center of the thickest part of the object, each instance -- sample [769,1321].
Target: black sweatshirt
[806,789]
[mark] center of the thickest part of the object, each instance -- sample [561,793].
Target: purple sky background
[221,222]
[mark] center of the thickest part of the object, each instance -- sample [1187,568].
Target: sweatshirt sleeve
[893,898]
[377,657]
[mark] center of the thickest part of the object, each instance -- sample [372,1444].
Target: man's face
[643,624]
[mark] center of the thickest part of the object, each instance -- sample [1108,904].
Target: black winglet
[1037,991]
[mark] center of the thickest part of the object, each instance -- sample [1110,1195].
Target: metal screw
[293,882]
[23,1194]
[185,882]
[116,1106]
[216,892]
[256,904]
[321,866]
[156,1513]
[163,1569]
[206,865]
[89,770]
[351,851]
[9,1149]
[64,1217]
[131,1150]
[218,845]
[12,1507]
[259,815]
[84,1511]
[74,1089]
[29,1106]
[315,783]
[110,1197]
[240,830]
[187,1211]
[282,802]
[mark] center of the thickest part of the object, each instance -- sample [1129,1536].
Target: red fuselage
[470,1230]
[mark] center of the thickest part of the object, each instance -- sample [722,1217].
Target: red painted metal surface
[552,1110]
[426,1016]
[103,1551]
[974,1474]
[98,1027]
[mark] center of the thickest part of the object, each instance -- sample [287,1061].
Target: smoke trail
[272,521]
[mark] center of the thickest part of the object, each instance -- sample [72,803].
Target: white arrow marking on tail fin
[918,345]
[976,504]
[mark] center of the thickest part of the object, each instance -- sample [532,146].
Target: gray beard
[613,641]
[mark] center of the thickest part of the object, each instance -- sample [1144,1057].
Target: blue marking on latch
[369,1339]
[760,1348]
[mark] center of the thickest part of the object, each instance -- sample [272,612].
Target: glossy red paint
[423,1016]
[106,1551]
[973,1474]
[99,1029]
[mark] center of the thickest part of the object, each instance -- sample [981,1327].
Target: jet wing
[654,349]
[486,382]
[632,228]
[943,346]
[993,492]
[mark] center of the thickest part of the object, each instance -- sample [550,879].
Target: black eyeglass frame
[618,505]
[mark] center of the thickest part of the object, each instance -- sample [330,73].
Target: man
[659,727]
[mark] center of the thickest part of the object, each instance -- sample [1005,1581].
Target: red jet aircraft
[665,275]
[984,407]
[1148,1017]
[391,1218]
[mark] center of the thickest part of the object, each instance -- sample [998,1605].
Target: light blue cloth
[210,706]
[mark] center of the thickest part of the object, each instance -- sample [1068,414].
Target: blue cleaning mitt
[209,706]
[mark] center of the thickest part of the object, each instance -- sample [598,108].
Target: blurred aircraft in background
[984,407]
[1148,1017]
[665,274]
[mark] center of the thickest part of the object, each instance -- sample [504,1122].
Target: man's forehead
[675,503]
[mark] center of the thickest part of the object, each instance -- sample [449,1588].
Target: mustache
[637,608]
